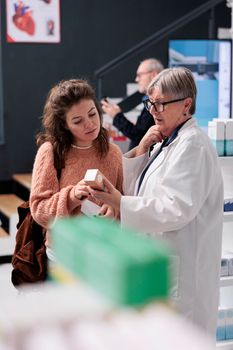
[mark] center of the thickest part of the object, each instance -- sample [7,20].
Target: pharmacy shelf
[228,216]
[225,159]
[226,293]
[225,345]
[226,281]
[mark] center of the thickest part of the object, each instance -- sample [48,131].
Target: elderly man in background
[146,71]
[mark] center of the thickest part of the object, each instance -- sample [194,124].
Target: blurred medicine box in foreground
[124,266]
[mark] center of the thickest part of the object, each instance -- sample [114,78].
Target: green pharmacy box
[125,266]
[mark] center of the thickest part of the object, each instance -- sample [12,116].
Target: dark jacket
[134,132]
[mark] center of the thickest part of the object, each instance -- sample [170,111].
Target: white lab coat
[181,200]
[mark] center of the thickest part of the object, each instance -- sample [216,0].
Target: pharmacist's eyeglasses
[159,106]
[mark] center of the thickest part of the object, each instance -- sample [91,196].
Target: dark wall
[93,32]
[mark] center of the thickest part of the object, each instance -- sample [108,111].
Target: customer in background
[146,71]
[176,193]
[73,140]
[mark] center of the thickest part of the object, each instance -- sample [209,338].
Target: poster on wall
[33,21]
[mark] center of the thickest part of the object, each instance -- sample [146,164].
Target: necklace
[81,147]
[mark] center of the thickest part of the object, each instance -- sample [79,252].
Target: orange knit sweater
[50,198]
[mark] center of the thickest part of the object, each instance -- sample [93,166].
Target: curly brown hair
[59,100]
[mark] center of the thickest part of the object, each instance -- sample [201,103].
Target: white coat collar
[190,123]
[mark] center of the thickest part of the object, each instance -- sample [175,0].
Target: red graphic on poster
[23,18]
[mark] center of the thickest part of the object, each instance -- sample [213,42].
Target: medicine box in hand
[94,178]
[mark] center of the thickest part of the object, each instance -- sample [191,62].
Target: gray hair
[177,82]
[154,64]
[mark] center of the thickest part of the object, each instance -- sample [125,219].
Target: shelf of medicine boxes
[228,280]
[227,166]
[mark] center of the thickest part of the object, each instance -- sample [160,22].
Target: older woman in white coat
[176,192]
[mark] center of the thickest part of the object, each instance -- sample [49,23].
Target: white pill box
[216,129]
[216,132]
[94,178]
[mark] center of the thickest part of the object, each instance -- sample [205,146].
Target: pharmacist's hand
[110,109]
[81,190]
[152,136]
[110,195]
[108,212]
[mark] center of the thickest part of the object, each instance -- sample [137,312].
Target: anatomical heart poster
[33,21]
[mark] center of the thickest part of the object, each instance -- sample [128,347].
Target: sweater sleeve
[47,201]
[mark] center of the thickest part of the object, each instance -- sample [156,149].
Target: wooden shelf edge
[23,179]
